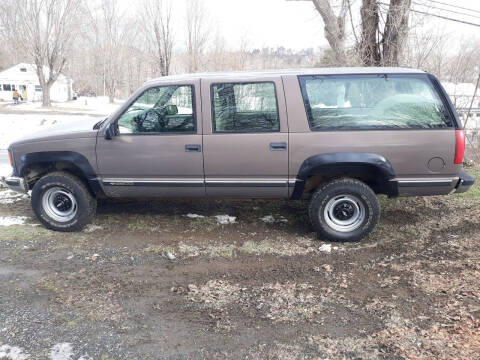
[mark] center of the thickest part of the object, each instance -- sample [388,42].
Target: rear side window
[372,102]
[245,107]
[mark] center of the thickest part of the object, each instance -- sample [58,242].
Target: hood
[79,128]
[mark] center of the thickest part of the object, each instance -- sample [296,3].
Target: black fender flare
[328,162]
[70,157]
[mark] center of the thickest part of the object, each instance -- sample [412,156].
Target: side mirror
[110,131]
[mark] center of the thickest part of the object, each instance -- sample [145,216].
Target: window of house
[372,102]
[38,88]
[162,109]
[7,87]
[245,107]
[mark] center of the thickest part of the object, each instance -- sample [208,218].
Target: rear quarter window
[372,102]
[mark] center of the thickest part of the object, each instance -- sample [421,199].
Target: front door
[158,151]
[245,137]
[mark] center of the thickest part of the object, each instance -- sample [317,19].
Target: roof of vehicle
[302,71]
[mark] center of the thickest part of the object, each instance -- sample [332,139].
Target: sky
[297,25]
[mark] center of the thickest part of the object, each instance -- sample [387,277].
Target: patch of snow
[20,125]
[268,219]
[10,197]
[226,219]
[169,255]
[94,257]
[62,351]
[91,228]
[5,170]
[85,357]
[194,216]
[88,105]
[325,248]
[12,353]
[12,220]
[271,219]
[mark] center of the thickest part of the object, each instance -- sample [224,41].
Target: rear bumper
[16,184]
[464,183]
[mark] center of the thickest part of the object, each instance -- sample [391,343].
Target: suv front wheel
[344,210]
[62,202]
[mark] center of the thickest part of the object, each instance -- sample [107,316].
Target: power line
[447,10]
[438,16]
[454,6]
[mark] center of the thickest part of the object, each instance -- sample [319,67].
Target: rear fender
[346,164]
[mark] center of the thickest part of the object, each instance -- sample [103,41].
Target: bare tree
[10,52]
[156,18]
[369,45]
[396,32]
[197,33]
[47,32]
[384,48]
[334,28]
[113,30]
[378,45]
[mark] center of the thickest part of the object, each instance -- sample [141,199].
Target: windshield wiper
[98,124]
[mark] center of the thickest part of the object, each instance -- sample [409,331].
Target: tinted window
[161,109]
[245,107]
[372,102]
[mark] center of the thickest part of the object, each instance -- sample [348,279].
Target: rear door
[245,137]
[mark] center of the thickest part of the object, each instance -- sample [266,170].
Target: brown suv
[338,136]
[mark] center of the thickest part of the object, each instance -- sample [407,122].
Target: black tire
[66,189]
[343,198]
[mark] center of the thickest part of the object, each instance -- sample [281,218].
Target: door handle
[193,148]
[278,146]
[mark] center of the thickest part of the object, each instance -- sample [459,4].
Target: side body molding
[348,163]
[73,158]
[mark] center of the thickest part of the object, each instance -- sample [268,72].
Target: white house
[23,78]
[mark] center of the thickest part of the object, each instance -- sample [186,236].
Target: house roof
[16,74]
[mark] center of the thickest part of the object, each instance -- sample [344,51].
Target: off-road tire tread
[361,188]
[85,213]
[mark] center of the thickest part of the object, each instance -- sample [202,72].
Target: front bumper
[465,181]
[16,184]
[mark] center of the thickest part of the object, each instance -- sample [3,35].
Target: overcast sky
[296,24]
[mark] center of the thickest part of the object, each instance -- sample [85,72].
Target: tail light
[460,146]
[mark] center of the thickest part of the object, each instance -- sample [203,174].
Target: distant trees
[111,47]
[45,29]
[108,25]
[156,16]
[197,33]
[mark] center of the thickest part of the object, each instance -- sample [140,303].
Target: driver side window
[161,109]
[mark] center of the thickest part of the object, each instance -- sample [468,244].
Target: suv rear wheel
[62,202]
[344,210]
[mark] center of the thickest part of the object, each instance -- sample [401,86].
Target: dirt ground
[145,281]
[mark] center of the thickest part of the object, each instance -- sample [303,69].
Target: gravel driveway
[169,280]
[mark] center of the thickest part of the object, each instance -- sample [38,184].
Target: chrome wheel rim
[344,213]
[59,204]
